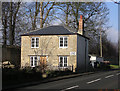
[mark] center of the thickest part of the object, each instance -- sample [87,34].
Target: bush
[13,76]
[28,74]
[57,73]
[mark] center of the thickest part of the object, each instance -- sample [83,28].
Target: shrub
[24,75]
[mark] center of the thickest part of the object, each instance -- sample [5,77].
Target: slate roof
[53,30]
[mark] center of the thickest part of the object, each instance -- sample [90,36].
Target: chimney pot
[80,28]
[80,16]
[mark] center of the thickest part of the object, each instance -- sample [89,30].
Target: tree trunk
[76,16]
[67,12]
[13,23]
[41,15]
[11,28]
[4,31]
[36,13]
[4,23]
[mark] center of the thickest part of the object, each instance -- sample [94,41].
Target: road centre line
[93,81]
[70,88]
[118,74]
[109,76]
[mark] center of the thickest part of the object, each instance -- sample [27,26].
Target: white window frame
[34,60]
[63,61]
[35,42]
[63,42]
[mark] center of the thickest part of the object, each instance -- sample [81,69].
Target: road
[100,80]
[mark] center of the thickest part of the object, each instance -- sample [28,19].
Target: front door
[43,62]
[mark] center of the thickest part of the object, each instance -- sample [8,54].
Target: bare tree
[43,50]
[92,12]
[5,22]
[12,25]
[44,11]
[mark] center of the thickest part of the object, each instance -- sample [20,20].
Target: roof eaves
[48,34]
[83,36]
[66,27]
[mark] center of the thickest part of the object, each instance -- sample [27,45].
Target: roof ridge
[40,29]
[68,28]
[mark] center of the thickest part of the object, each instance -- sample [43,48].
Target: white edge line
[118,74]
[93,81]
[70,88]
[109,76]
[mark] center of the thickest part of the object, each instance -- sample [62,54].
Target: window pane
[65,39]
[61,59]
[65,42]
[65,65]
[32,42]
[32,39]
[61,39]
[35,58]
[35,61]
[65,61]
[65,45]
[61,65]
[32,45]
[37,42]
[37,39]
[61,42]
[36,45]
[61,62]
[31,61]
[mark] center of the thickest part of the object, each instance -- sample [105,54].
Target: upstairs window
[34,42]
[63,42]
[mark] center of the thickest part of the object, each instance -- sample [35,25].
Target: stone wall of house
[49,46]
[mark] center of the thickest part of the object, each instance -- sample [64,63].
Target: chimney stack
[80,27]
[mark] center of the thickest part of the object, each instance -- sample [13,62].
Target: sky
[113,22]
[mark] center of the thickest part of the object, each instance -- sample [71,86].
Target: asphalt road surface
[100,80]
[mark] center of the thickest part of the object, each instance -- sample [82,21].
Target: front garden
[13,76]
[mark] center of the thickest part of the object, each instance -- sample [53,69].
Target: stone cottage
[57,47]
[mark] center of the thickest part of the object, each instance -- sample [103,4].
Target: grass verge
[114,66]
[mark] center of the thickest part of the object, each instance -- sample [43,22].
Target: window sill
[34,47]
[63,47]
[62,67]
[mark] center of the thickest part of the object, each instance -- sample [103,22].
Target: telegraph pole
[100,42]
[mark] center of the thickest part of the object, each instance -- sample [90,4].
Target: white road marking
[70,88]
[118,74]
[109,76]
[93,81]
